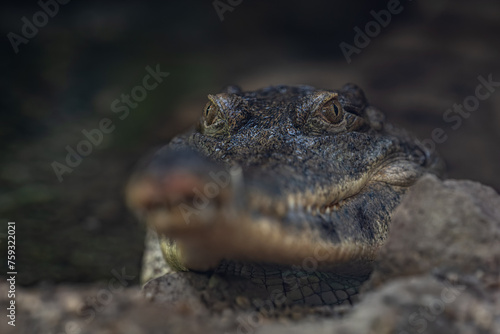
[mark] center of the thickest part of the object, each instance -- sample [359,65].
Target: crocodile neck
[251,284]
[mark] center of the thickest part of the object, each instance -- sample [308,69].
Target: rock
[450,227]
[178,292]
[94,309]
[422,304]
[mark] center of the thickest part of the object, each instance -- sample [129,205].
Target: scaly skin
[286,189]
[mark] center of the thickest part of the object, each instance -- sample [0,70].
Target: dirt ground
[429,58]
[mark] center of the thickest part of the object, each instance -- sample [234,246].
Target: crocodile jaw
[261,241]
[223,230]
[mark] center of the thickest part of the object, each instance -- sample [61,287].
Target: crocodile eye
[213,121]
[210,113]
[322,114]
[331,111]
[224,114]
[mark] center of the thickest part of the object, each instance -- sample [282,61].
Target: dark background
[65,78]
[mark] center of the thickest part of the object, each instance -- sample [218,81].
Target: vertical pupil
[336,110]
[331,112]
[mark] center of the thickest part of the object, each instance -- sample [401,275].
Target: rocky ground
[438,273]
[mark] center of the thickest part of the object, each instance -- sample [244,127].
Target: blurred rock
[450,227]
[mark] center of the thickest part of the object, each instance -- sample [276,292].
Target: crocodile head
[281,175]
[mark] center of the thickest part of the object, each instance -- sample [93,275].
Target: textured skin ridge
[244,286]
[298,286]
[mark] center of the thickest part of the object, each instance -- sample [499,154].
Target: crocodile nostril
[174,190]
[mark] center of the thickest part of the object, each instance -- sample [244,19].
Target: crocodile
[283,194]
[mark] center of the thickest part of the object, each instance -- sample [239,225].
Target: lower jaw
[201,246]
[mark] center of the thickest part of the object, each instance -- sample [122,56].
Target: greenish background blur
[65,79]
